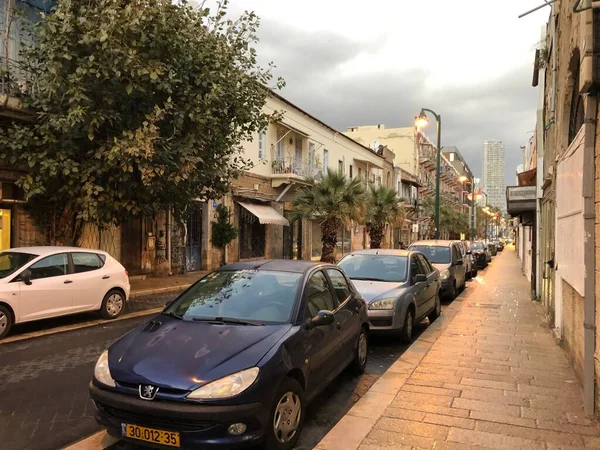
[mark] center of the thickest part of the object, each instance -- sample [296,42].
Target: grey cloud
[498,108]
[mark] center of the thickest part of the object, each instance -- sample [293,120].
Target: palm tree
[334,201]
[383,207]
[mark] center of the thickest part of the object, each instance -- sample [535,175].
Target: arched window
[576,113]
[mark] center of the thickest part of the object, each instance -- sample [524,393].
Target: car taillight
[127,274]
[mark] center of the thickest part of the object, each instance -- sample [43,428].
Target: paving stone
[529,433]
[412,397]
[408,414]
[411,427]
[491,440]
[478,405]
[503,418]
[489,384]
[390,439]
[430,390]
[456,412]
[449,421]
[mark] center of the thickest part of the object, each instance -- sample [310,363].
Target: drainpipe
[589,319]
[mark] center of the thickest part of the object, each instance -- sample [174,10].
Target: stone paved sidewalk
[487,374]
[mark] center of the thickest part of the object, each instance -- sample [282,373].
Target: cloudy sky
[352,62]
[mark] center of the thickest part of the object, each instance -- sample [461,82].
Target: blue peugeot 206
[235,359]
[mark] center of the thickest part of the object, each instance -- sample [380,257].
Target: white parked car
[41,282]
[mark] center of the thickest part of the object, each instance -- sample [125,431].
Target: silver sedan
[401,288]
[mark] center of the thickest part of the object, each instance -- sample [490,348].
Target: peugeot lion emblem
[148,392]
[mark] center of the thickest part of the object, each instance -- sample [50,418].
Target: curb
[144,292]
[91,323]
[356,424]
[98,441]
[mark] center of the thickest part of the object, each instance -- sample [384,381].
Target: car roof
[50,250]
[276,265]
[435,242]
[382,251]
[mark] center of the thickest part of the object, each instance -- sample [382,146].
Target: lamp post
[421,121]
[465,180]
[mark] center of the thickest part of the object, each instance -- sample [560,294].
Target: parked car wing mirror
[469,252]
[420,278]
[459,262]
[26,277]
[322,319]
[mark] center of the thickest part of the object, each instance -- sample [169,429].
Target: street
[44,382]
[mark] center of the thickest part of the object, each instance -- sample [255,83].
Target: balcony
[15,83]
[427,156]
[288,169]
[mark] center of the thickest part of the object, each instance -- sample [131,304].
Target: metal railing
[296,166]
[15,79]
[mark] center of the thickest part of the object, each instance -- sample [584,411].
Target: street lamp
[463,179]
[420,122]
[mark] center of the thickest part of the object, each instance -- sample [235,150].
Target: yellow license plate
[170,438]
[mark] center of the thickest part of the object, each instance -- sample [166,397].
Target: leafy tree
[141,105]
[383,207]
[334,201]
[223,232]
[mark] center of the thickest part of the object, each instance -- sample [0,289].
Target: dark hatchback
[235,359]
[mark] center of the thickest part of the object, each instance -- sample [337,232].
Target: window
[10,262]
[340,285]
[425,266]
[263,296]
[388,268]
[350,171]
[325,160]
[318,295]
[360,175]
[456,253]
[399,188]
[311,154]
[85,262]
[340,166]
[415,268]
[51,266]
[435,254]
[262,145]
[280,145]
[451,156]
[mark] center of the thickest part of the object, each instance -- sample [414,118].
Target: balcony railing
[15,79]
[296,166]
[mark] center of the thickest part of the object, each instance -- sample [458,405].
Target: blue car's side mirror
[322,319]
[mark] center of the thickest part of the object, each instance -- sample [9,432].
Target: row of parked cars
[235,359]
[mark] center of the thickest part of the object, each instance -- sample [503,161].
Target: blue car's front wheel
[287,416]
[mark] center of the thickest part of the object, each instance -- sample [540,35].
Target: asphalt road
[44,402]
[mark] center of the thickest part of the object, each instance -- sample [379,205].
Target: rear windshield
[435,254]
[478,246]
[388,268]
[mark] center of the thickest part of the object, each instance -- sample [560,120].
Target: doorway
[193,241]
[131,245]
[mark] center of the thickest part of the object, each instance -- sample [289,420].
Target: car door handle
[68,281]
[106,277]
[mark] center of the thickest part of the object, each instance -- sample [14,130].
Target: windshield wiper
[172,314]
[227,320]
[367,279]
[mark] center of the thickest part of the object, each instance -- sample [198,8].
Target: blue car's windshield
[259,296]
[435,254]
[389,268]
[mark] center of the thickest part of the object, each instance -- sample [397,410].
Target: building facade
[493,173]
[566,195]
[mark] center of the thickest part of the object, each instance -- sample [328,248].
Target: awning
[294,129]
[370,163]
[265,214]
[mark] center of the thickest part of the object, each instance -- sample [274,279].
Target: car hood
[376,290]
[178,354]
[441,267]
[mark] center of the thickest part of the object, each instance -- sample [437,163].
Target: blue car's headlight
[226,387]
[386,303]
[102,371]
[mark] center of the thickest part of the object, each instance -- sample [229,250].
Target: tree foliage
[452,222]
[333,200]
[223,232]
[141,105]
[383,207]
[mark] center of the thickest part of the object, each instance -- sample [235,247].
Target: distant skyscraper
[493,173]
